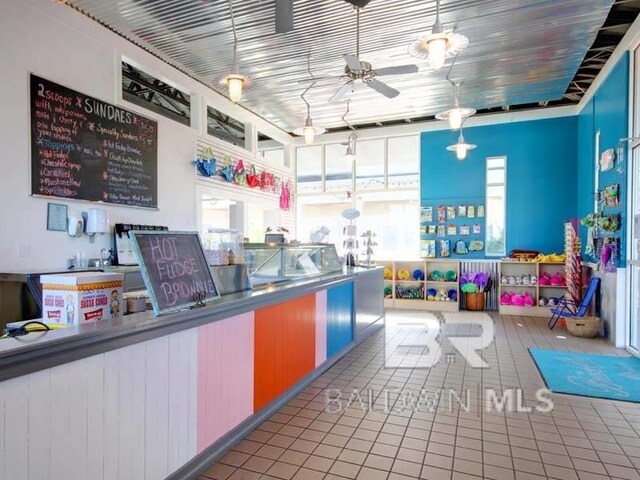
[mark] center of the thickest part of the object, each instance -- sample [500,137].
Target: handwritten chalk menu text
[174,268]
[85,149]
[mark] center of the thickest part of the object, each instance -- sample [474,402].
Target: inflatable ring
[403,274]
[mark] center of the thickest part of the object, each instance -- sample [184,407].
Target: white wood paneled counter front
[126,414]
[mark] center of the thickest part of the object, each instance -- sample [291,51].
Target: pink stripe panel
[225,376]
[321,327]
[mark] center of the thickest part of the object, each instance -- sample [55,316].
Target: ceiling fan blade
[382,88]
[342,91]
[353,62]
[398,70]
[284,16]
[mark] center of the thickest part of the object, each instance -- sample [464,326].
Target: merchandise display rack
[427,267]
[515,268]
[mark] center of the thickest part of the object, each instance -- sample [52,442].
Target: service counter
[149,397]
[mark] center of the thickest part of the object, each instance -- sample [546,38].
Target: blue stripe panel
[339,318]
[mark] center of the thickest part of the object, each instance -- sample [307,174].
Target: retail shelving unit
[427,267]
[515,268]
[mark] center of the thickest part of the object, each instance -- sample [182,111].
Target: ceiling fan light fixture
[461,148]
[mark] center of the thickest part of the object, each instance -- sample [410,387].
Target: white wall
[59,44]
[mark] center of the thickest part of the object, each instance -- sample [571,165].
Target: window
[309,169]
[322,210]
[153,94]
[271,150]
[225,127]
[496,207]
[383,184]
[403,160]
[394,218]
[338,170]
[370,164]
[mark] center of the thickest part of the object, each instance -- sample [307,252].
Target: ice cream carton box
[76,298]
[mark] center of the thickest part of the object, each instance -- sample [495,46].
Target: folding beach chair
[568,308]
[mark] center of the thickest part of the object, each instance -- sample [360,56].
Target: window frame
[502,184]
[147,106]
[244,144]
[385,187]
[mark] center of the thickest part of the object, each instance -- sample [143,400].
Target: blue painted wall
[607,112]
[339,318]
[541,177]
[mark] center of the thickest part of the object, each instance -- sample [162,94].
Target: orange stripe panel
[285,347]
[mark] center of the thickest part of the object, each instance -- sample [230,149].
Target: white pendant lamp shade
[235,83]
[461,148]
[438,45]
[437,52]
[456,115]
[349,156]
[309,131]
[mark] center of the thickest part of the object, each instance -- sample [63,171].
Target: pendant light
[456,115]
[349,155]
[235,81]
[438,45]
[308,131]
[461,148]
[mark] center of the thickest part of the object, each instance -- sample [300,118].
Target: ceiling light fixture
[456,115]
[461,148]
[235,81]
[309,131]
[349,155]
[438,45]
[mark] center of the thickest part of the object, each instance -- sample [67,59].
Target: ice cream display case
[270,263]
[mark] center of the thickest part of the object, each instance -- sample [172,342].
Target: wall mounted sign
[175,269]
[85,149]
[57,217]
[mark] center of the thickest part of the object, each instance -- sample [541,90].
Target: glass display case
[280,262]
[223,247]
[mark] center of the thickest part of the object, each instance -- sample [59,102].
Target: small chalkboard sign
[175,269]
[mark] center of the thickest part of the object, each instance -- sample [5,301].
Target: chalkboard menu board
[174,268]
[83,148]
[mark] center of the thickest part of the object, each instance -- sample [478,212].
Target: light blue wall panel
[339,318]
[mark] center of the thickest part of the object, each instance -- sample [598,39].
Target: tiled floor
[388,438]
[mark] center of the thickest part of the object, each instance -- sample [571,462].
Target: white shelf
[506,269]
[427,266]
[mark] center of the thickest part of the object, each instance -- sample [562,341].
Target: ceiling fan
[358,72]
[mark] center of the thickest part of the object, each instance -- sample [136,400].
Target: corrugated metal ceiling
[521,51]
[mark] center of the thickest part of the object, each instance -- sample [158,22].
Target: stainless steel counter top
[36,351]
